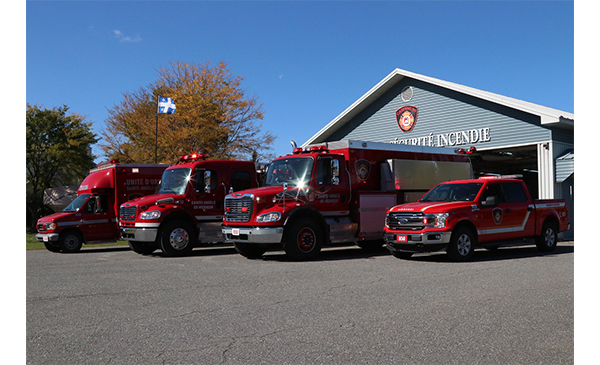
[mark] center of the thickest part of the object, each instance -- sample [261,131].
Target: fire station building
[510,136]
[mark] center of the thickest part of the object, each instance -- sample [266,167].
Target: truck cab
[188,208]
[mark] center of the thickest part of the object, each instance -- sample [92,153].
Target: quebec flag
[166,105]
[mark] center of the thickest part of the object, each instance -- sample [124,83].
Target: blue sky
[306,61]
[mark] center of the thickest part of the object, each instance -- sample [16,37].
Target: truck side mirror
[335,172]
[490,201]
[207,181]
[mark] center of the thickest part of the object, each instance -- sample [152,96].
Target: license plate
[401,238]
[235,232]
[45,238]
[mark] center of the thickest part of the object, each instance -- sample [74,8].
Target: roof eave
[557,118]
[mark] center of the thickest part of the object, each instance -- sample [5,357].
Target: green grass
[33,244]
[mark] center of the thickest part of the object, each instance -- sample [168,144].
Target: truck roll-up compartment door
[372,212]
[400,174]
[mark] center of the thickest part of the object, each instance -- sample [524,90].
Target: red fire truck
[92,216]
[332,193]
[187,211]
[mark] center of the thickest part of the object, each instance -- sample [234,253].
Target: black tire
[177,238]
[70,242]
[303,239]
[547,241]
[143,248]
[52,247]
[462,245]
[250,250]
[402,255]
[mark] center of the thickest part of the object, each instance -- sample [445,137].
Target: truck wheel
[462,245]
[70,242]
[143,248]
[303,240]
[546,242]
[177,238]
[249,250]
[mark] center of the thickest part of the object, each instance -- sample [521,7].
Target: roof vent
[407,93]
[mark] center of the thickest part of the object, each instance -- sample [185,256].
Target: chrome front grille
[238,209]
[408,221]
[128,213]
[41,227]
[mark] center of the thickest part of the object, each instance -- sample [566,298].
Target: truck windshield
[294,171]
[77,203]
[175,181]
[452,192]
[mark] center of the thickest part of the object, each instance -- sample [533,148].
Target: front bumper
[417,242]
[139,234]
[259,235]
[47,237]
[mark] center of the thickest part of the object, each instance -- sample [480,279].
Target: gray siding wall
[441,112]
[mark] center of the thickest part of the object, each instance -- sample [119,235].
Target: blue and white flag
[166,105]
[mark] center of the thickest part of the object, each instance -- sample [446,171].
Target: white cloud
[123,38]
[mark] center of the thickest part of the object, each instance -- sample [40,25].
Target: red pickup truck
[459,216]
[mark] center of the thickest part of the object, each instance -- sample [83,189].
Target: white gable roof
[547,115]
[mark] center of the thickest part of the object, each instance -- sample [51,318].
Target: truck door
[331,186]
[98,219]
[493,224]
[518,214]
[209,193]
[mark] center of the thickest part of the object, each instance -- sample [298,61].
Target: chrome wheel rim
[179,239]
[550,237]
[464,245]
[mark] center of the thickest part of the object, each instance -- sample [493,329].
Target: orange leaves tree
[212,115]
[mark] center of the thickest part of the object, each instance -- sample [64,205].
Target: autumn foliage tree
[213,115]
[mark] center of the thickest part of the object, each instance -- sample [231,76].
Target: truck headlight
[153,214]
[435,220]
[268,217]
[50,226]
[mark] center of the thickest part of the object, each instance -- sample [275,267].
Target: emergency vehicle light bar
[106,163]
[321,148]
[192,157]
[515,176]
[462,151]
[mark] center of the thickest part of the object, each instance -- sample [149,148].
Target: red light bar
[321,148]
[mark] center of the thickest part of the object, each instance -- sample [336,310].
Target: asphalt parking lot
[111,305]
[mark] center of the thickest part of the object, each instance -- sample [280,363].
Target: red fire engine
[92,216]
[331,193]
[187,211]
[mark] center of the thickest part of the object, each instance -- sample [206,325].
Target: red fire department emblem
[406,117]
[497,213]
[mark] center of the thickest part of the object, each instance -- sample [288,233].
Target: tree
[58,152]
[213,115]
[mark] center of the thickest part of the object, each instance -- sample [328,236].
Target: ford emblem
[403,221]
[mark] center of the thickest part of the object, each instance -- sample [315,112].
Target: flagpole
[156,132]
